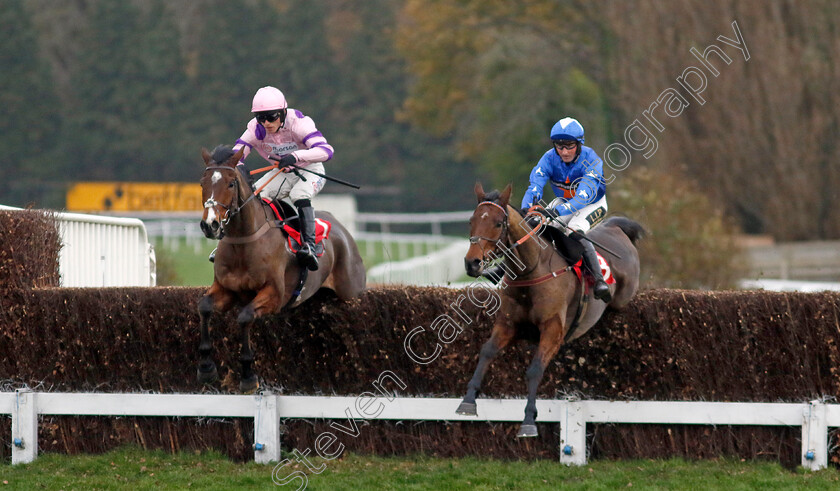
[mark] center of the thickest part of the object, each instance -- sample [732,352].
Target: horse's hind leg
[551,338]
[207,373]
[502,336]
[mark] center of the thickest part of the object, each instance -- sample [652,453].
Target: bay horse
[254,267]
[540,288]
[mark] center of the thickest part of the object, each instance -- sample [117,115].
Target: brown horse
[540,289]
[254,267]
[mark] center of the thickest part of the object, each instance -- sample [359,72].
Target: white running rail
[24,406]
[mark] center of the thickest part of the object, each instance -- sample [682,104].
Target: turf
[134,468]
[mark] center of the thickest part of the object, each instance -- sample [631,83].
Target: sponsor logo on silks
[596,216]
[280,149]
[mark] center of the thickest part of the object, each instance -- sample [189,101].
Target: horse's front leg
[501,336]
[551,338]
[266,302]
[218,299]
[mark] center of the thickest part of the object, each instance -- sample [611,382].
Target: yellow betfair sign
[134,196]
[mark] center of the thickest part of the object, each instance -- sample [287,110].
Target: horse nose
[211,231]
[473,267]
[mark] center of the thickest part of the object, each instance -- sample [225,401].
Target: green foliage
[140,87]
[690,243]
[31,113]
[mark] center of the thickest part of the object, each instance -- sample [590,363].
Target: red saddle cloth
[605,271]
[322,230]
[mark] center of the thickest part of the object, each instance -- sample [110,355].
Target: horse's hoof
[527,431]
[207,376]
[249,386]
[467,409]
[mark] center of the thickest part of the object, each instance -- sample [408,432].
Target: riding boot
[494,274]
[306,218]
[590,259]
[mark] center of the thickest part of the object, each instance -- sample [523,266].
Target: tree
[31,112]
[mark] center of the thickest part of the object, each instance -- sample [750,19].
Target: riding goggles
[269,116]
[565,145]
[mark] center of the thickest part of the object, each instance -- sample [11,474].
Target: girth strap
[304,273]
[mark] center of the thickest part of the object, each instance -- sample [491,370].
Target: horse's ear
[505,196]
[237,156]
[479,191]
[206,156]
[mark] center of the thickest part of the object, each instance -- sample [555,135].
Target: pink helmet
[268,99]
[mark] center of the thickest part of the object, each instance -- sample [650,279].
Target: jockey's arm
[586,191]
[537,181]
[317,148]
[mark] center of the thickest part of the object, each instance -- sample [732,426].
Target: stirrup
[601,291]
[306,257]
[212,257]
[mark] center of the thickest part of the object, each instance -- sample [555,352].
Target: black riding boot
[590,259]
[306,218]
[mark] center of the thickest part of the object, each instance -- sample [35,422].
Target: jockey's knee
[298,194]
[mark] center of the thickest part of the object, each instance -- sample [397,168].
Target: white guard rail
[268,410]
[437,268]
[99,251]
[102,251]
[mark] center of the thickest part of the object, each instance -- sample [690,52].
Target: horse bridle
[234,207]
[504,234]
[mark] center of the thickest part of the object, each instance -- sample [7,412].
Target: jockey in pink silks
[288,135]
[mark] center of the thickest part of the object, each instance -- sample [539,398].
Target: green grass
[184,263]
[133,468]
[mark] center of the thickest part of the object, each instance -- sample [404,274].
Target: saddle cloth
[606,272]
[322,229]
[322,232]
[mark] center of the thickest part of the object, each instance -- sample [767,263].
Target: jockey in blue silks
[575,173]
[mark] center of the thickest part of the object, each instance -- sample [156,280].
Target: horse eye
[499,225]
[231,184]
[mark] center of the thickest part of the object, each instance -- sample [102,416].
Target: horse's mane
[492,196]
[222,153]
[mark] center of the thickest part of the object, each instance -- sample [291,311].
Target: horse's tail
[631,228]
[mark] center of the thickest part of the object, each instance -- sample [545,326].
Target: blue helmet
[567,129]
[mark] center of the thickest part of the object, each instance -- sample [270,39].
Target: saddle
[289,222]
[572,252]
